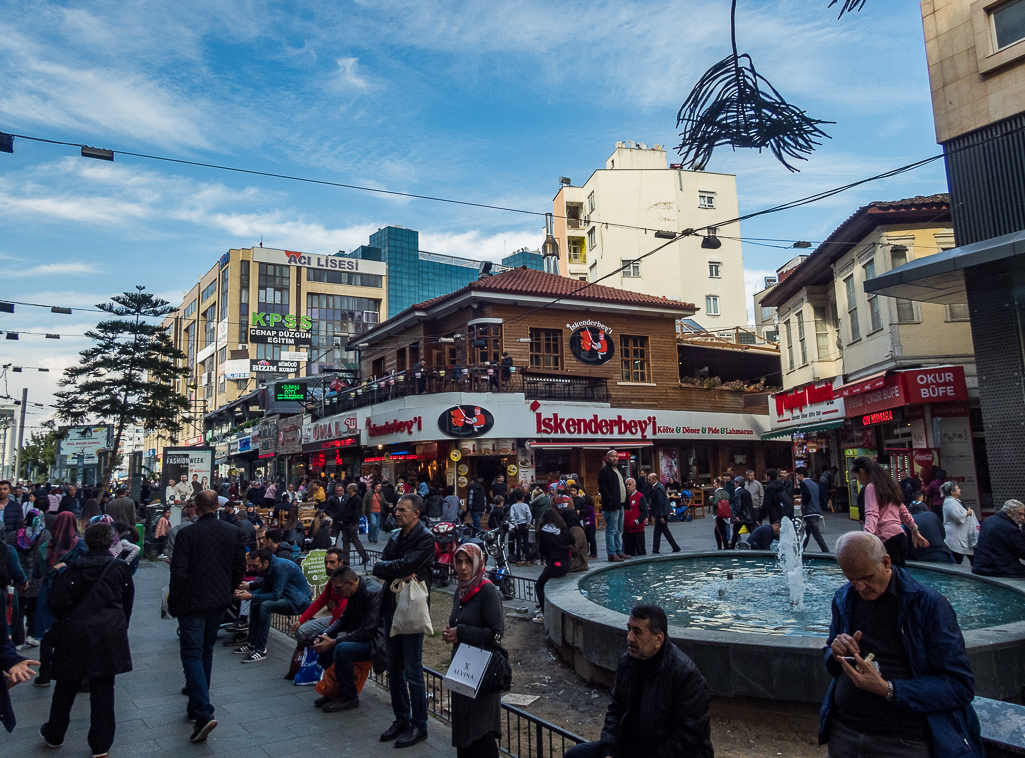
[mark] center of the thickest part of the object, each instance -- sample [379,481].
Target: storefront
[914,421]
[810,417]
[331,449]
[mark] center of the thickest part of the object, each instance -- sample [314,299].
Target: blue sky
[483,102]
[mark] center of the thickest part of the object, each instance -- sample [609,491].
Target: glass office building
[415,275]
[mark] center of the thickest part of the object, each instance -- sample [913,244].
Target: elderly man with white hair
[902,685]
[1001,545]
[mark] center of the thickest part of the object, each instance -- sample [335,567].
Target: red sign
[395,427]
[877,418]
[594,426]
[913,387]
[800,398]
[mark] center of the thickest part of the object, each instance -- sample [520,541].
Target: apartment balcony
[534,386]
[575,223]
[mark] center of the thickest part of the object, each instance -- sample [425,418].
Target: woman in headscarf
[28,541]
[476,620]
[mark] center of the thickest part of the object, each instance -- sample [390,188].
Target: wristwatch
[891,696]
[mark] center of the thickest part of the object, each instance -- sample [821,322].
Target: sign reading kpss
[280,329]
[285,391]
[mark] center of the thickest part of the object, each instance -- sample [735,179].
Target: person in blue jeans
[408,554]
[354,637]
[280,587]
[207,565]
[612,489]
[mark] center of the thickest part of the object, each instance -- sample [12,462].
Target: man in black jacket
[335,508]
[206,567]
[408,554]
[660,510]
[355,636]
[476,501]
[351,512]
[742,510]
[1001,545]
[772,503]
[656,674]
[612,489]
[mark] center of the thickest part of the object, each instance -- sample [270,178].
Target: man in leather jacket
[660,702]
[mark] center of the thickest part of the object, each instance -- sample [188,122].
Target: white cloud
[63,269]
[345,78]
[479,245]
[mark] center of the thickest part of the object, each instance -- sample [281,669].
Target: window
[706,199]
[1009,23]
[852,308]
[337,316]
[344,277]
[957,312]
[790,344]
[766,313]
[712,305]
[190,309]
[485,343]
[590,203]
[377,367]
[905,308]
[208,290]
[546,349]
[631,269]
[243,303]
[821,334]
[224,293]
[210,326]
[713,270]
[634,358]
[875,317]
[400,360]
[800,337]
[576,250]
[592,238]
[273,293]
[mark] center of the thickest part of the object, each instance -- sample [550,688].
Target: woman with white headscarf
[476,619]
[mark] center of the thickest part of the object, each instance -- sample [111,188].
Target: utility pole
[21,432]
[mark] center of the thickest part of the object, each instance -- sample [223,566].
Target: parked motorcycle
[446,542]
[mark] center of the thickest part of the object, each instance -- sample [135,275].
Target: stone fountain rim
[565,596]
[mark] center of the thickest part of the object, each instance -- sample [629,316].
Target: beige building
[259,314]
[829,326]
[637,203]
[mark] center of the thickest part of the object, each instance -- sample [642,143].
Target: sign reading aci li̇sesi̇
[466,421]
[273,367]
[280,329]
[591,342]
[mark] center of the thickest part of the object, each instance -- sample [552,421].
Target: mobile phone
[850,659]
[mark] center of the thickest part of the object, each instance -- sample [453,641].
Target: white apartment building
[637,203]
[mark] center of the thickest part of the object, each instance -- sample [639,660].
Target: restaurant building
[522,374]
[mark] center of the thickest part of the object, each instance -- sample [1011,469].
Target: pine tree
[127,376]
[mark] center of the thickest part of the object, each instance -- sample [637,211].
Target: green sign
[288,321]
[285,391]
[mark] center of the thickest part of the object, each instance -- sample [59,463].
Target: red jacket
[636,510]
[328,593]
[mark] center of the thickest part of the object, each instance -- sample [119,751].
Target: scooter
[446,542]
[494,546]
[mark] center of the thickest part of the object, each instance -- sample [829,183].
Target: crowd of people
[70,556]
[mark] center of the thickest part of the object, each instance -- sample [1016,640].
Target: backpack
[722,509]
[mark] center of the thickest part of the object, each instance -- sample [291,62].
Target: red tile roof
[524,281]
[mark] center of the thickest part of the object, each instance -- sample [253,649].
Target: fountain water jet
[789,555]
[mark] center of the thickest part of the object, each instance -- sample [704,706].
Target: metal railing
[535,386]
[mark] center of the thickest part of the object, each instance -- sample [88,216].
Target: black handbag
[498,676]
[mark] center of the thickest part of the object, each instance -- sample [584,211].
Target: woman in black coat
[477,620]
[92,601]
[553,545]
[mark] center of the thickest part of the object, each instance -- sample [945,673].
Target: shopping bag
[328,684]
[310,670]
[296,661]
[972,524]
[467,670]
[412,613]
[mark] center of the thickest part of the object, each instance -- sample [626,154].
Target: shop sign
[273,367]
[807,404]
[594,426]
[281,321]
[193,441]
[221,451]
[327,262]
[286,391]
[911,387]
[268,437]
[84,441]
[329,429]
[245,444]
[267,336]
[455,455]
[222,333]
[880,417]
[290,434]
[591,342]
[395,426]
[236,369]
[466,421]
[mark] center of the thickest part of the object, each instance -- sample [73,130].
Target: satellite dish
[642,146]
[630,144]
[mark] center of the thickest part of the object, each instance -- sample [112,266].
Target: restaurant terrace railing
[534,385]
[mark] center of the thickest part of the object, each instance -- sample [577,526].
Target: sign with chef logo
[466,421]
[591,342]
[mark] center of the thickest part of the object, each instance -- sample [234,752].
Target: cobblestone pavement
[259,712]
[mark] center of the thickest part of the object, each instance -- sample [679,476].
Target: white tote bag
[467,670]
[972,525]
[412,613]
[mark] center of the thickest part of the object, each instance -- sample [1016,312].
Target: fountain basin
[775,654]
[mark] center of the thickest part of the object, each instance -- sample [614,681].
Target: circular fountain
[756,624]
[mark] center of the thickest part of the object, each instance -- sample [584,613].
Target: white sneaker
[539,618]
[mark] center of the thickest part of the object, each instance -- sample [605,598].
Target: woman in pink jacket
[885,511]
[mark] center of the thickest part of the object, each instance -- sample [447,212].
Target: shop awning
[873,382]
[822,426]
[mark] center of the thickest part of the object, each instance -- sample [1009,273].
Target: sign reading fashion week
[465,421]
[591,342]
[325,262]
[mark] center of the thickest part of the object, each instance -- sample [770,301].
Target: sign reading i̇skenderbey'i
[591,342]
[466,421]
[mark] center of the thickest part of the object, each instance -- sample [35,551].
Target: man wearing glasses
[409,554]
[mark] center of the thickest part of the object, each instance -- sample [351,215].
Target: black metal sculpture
[732,104]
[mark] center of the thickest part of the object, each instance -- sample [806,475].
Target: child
[917,503]
[128,537]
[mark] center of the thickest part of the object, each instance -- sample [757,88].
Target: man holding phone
[902,685]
